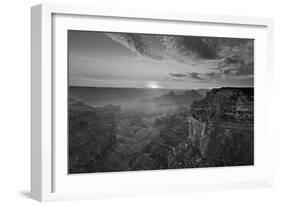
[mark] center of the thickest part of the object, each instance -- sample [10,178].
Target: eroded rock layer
[91,133]
[227,116]
[218,131]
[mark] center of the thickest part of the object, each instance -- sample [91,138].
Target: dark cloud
[135,43]
[205,48]
[212,75]
[191,48]
[179,75]
[236,66]
[196,75]
[201,47]
[238,59]
[240,74]
[232,58]
[242,70]
[246,69]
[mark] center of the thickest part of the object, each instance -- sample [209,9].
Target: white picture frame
[50,181]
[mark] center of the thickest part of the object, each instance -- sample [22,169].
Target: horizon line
[159,88]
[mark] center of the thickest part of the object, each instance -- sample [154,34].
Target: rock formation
[218,131]
[178,99]
[226,117]
[91,132]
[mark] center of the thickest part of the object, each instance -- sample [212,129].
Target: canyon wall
[222,125]
[91,133]
[217,131]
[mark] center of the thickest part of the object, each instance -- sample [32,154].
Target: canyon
[186,130]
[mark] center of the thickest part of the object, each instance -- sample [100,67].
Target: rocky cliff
[178,99]
[91,132]
[233,105]
[222,125]
[218,131]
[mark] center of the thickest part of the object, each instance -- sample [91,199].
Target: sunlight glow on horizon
[153,85]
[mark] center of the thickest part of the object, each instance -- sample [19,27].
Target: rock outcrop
[218,131]
[223,124]
[178,99]
[91,132]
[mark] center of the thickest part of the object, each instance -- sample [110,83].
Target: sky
[100,59]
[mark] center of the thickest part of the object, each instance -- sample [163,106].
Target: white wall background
[15,103]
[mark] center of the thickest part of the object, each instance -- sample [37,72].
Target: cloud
[179,75]
[238,59]
[236,63]
[193,75]
[214,76]
[227,59]
[135,43]
[238,49]
[230,75]
[190,48]
[193,47]
[196,75]
[240,70]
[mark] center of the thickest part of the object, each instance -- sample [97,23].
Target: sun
[153,85]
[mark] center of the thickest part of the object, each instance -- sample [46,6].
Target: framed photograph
[138,102]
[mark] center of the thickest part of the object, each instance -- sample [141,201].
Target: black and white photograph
[153,102]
